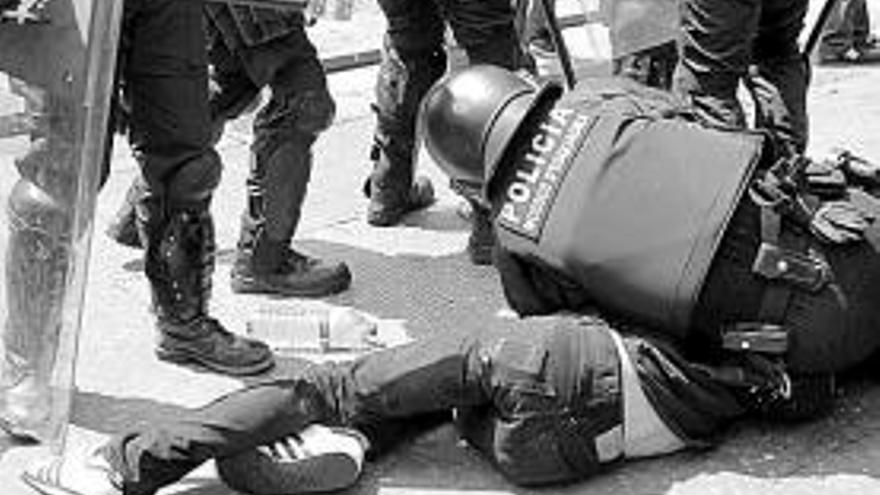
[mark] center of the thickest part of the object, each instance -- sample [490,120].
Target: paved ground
[416,278]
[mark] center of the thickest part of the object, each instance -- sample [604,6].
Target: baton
[558,43]
[818,26]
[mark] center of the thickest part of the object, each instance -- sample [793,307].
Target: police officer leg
[178,232]
[171,134]
[715,50]
[412,59]
[281,163]
[486,31]
[230,93]
[281,155]
[778,56]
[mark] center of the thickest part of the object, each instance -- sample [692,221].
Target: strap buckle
[806,271]
[766,338]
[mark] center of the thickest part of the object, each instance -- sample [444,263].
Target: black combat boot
[265,263]
[393,192]
[179,264]
[404,78]
[266,266]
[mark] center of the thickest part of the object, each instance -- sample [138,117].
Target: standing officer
[413,58]
[165,73]
[249,49]
[720,39]
[610,197]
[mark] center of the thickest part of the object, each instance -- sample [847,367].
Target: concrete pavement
[416,278]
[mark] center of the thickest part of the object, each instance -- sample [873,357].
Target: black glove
[858,169]
[839,222]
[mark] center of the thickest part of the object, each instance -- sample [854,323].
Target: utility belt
[803,205]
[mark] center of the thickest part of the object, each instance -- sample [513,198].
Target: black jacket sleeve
[533,288]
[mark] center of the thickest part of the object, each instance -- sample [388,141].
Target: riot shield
[57,63]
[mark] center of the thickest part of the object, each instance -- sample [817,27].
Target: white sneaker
[319,459]
[89,474]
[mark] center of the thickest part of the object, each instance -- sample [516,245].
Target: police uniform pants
[534,397]
[299,108]
[165,69]
[721,38]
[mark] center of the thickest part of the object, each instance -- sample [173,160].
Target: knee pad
[298,118]
[314,111]
[195,180]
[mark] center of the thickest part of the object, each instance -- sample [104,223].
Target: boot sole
[184,358]
[253,286]
[253,472]
[385,219]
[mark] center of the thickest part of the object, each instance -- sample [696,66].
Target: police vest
[629,203]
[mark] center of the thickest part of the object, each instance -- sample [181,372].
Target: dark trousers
[720,39]
[419,26]
[299,108]
[164,66]
[533,397]
[414,58]
[847,27]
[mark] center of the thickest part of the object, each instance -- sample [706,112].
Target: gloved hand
[840,222]
[857,168]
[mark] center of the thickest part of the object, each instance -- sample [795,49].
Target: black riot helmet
[469,117]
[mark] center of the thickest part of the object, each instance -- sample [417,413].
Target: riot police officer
[612,197]
[250,49]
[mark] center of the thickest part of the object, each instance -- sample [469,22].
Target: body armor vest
[627,201]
